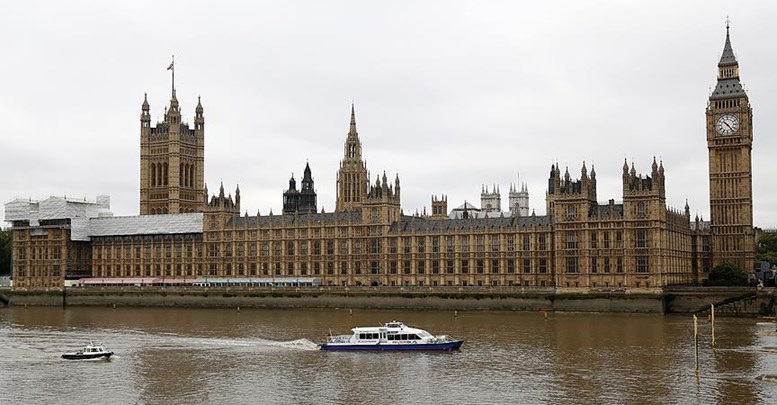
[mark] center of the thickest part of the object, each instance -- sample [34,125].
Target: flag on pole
[171,66]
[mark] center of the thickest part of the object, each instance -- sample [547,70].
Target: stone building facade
[580,243]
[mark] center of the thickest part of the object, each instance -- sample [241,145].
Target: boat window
[362,336]
[413,337]
[403,337]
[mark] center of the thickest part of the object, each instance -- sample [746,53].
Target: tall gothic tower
[352,178]
[172,161]
[730,142]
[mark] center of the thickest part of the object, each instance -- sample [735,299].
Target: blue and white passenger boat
[391,336]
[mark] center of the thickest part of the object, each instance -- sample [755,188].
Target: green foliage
[767,247]
[727,274]
[5,252]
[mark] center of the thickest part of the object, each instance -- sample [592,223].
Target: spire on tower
[727,58]
[352,130]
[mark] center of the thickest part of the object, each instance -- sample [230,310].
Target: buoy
[238,309]
[25,306]
[545,314]
[350,312]
[455,313]
[114,306]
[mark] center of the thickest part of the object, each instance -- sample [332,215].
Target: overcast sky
[450,95]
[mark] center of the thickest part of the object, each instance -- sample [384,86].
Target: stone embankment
[728,301]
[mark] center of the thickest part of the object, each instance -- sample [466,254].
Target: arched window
[181,175]
[166,177]
[153,175]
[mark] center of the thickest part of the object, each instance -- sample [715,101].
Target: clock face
[727,124]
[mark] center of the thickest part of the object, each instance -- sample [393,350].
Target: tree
[5,252]
[767,247]
[727,274]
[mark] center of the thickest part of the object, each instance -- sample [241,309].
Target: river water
[252,356]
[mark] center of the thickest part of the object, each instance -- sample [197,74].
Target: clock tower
[730,143]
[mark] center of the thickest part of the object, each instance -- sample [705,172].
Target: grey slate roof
[165,224]
[728,88]
[327,217]
[606,210]
[415,224]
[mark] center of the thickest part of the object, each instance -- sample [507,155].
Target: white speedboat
[393,335]
[89,351]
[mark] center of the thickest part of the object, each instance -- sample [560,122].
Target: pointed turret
[145,116]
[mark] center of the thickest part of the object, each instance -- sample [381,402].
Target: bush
[727,274]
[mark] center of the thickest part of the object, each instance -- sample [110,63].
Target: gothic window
[153,175]
[641,238]
[642,264]
[641,210]
[543,266]
[420,243]
[542,242]
[480,265]
[511,266]
[527,265]
[594,242]
[572,265]
[571,240]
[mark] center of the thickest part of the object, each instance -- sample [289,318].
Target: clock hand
[729,126]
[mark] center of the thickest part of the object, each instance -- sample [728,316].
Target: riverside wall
[731,301]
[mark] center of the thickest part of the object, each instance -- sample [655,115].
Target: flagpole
[173,69]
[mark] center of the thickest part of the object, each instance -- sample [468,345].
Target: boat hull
[87,356]
[447,346]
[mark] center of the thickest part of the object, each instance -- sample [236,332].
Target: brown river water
[258,356]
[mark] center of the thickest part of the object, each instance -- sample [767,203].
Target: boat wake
[299,344]
[245,344]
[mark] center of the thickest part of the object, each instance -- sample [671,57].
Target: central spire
[352,130]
